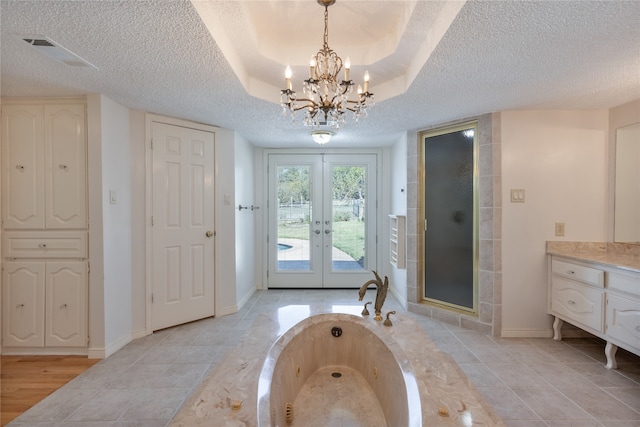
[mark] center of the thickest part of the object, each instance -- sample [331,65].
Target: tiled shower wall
[489,319]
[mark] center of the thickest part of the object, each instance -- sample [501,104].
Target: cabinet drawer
[44,244]
[577,302]
[623,321]
[589,275]
[625,283]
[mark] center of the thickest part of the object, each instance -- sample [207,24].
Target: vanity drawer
[623,321]
[589,275]
[578,303]
[44,244]
[625,283]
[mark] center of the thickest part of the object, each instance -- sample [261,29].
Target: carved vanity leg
[610,352]
[557,326]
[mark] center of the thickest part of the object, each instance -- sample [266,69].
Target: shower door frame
[422,229]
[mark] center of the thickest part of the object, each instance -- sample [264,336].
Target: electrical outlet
[559,228]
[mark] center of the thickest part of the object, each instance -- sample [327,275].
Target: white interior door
[183,224]
[322,220]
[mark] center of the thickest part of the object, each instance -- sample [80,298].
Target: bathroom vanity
[596,287]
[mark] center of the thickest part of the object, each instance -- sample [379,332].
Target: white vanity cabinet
[577,295]
[44,227]
[601,299]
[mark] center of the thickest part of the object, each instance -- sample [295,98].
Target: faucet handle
[387,322]
[365,312]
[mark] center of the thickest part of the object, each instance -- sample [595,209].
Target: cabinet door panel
[23,304]
[578,303]
[623,321]
[65,166]
[23,161]
[66,300]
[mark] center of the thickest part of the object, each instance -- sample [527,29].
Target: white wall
[246,237]
[560,159]
[110,309]
[397,176]
[225,212]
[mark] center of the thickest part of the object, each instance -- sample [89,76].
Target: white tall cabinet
[44,228]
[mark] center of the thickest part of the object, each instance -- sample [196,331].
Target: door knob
[317,231]
[327,231]
[209,233]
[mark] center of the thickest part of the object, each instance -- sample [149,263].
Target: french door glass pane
[348,185]
[294,217]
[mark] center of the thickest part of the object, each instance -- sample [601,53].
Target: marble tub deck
[234,381]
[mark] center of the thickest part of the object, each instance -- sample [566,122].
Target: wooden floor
[26,380]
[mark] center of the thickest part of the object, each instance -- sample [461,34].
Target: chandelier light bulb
[366,81]
[347,68]
[359,90]
[287,76]
[312,67]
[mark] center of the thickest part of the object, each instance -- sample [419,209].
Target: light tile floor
[530,382]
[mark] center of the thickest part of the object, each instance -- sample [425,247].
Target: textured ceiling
[162,56]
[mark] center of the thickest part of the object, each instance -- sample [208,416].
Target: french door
[322,220]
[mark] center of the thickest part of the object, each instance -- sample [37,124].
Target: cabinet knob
[20,168]
[42,245]
[63,167]
[63,306]
[571,302]
[19,305]
[571,272]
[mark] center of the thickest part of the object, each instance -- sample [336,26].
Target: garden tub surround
[229,394]
[330,344]
[619,255]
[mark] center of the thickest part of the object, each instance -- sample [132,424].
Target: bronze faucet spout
[381,293]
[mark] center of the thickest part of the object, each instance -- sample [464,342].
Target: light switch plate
[559,228]
[517,195]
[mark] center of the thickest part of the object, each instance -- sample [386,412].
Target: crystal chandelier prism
[326,97]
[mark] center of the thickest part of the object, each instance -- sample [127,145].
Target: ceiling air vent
[55,51]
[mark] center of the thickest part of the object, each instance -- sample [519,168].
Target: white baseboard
[102,353]
[227,310]
[527,333]
[402,299]
[246,298]
[140,333]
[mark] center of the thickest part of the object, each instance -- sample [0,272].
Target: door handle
[209,233]
[327,231]
[316,231]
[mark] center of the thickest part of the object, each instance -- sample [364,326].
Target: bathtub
[345,347]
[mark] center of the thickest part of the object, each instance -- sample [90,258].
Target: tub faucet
[381,293]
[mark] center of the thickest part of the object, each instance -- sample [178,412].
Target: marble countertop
[228,396]
[619,255]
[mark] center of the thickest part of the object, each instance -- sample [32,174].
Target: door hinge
[267,274]
[152,144]
[152,299]
[88,267]
[152,220]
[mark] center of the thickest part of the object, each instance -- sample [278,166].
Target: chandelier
[326,99]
